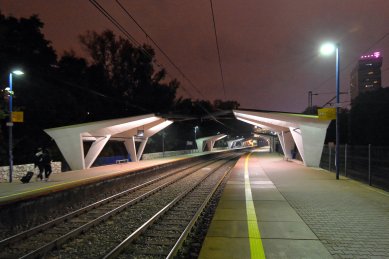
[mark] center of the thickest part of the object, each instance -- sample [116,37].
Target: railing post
[369,164]
[345,160]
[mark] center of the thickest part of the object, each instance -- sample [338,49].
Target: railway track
[163,234]
[76,234]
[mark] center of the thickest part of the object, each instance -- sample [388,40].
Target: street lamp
[10,123]
[328,49]
[195,130]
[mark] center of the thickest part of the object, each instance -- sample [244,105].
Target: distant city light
[376,54]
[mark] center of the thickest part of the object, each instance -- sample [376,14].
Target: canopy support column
[130,147]
[142,148]
[95,150]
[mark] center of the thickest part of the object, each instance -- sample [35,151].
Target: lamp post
[195,130]
[10,123]
[327,49]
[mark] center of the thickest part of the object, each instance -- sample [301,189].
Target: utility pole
[310,103]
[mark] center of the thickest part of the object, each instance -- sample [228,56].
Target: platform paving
[301,213]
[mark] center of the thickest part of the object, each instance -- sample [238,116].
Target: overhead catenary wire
[114,22]
[102,10]
[125,32]
[170,61]
[159,48]
[218,50]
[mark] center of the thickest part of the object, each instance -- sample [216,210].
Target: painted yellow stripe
[256,247]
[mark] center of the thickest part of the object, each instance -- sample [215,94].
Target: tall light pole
[10,123]
[327,49]
[195,130]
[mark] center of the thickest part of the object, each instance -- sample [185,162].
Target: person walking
[46,161]
[38,162]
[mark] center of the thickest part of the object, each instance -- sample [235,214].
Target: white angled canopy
[307,132]
[207,143]
[129,130]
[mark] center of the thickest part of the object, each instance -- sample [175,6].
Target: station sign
[17,116]
[327,113]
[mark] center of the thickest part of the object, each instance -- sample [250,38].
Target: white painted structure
[232,143]
[70,138]
[307,132]
[207,143]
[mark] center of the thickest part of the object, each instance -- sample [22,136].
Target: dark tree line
[116,79]
[366,122]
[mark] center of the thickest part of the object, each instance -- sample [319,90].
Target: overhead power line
[218,50]
[103,11]
[170,61]
[114,22]
[160,49]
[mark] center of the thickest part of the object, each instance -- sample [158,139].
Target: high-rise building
[366,76]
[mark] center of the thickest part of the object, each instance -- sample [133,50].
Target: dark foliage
[116,80]
[369,118]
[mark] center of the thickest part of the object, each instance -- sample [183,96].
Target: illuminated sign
[376,54]
[327,113]
[17,116]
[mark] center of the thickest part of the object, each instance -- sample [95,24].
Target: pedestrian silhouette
[38,162]
[46,160]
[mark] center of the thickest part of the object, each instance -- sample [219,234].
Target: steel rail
[56,221]
[41,251]
[127,241]
[193,221]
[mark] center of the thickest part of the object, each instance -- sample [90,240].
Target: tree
[226,105]
[23,45]
[127,73]
[369,118]
[311,110]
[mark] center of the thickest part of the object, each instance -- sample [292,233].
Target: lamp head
[327,48]
[18,72]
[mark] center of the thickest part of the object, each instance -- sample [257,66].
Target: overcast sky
[269,49]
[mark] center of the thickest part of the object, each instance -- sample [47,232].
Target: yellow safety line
[256,247]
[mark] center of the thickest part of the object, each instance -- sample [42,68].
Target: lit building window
[371,72]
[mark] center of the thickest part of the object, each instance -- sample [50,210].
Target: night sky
[269,49]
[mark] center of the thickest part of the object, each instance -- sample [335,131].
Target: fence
[20,170]
[368,164]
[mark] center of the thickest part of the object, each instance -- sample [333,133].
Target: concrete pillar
[142,148]
[71,147]
[130,147]
[95,150]
[287,143]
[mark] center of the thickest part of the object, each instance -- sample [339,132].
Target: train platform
[17,191]
[272,208]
